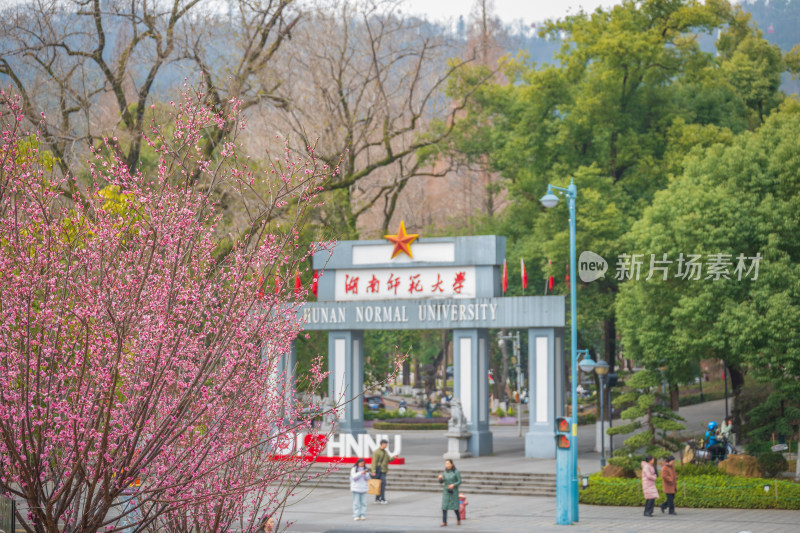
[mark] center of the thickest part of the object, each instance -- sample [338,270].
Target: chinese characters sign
[405,283]
[690,267]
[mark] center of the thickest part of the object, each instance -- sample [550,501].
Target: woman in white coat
[359,475]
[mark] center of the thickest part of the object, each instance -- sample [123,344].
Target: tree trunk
[610,342]
[406,372]
[417,375]
[674,397]
[501,374]
[737,378]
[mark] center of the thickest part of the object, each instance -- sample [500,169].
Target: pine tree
[648,411]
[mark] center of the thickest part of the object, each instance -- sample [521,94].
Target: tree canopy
[631,94]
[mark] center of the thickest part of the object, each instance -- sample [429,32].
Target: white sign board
[405,283]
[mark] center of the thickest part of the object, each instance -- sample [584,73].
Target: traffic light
[562,432]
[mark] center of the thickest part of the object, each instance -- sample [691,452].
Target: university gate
[437,283]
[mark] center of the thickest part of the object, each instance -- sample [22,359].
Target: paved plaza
[329,510]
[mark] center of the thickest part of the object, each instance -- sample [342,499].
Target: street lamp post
[602,372]
[550,200]
[601,369]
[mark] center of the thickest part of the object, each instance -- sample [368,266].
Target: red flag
[298,283]
[566,278]
[505,276]
[524,273]
[551,281]
[314,283]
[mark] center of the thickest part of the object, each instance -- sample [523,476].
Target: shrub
[691,469]
[629,463]
[589,418]
[500,412]
[397,424]
[758,447]
[772,463]
[705,491]
[383,414]
[693,399]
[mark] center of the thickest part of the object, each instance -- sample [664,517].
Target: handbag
[374,486]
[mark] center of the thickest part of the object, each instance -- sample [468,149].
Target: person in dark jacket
[451,481]
[669,482]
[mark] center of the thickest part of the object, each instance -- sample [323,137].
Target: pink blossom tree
[139,383]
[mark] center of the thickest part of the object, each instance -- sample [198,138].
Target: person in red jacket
[669,482]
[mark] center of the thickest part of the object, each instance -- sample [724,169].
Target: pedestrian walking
[380,467]
[359,475]
[669,482]
[649,484]
[451,481]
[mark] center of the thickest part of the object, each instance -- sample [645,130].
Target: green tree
[632,92]
[736,204]
[648,412]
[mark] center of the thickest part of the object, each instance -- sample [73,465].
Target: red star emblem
[402,241]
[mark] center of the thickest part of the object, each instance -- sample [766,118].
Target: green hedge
[383,414]
[726,492]
[404,425]
[693,399]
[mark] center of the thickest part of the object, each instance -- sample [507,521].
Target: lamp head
[601,367]
[587,364]
[549,200]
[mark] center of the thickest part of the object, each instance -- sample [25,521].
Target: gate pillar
[471,385]
[546,390]
[346,378]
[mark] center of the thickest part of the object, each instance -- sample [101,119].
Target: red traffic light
[562,425]
[562,441]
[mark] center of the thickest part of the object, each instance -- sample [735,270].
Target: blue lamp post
[550,200]
[600,368]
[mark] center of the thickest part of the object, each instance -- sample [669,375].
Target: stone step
[425,480]
[480,489]
[436,472]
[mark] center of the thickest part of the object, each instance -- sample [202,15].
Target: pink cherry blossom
[138,366]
